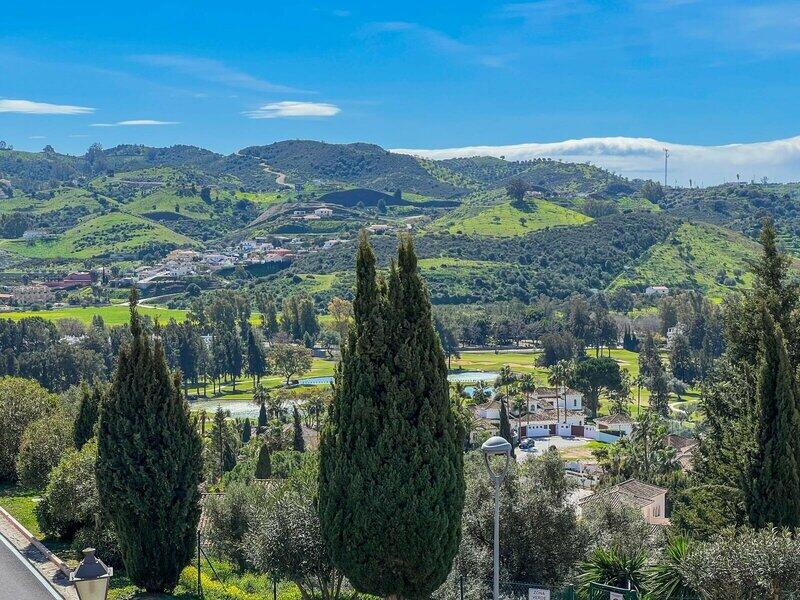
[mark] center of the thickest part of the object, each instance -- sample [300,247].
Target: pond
[240,409]
[463,377]
[472,377]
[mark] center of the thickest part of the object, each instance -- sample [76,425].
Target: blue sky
[403,75]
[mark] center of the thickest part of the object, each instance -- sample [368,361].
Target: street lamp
[496,446]
[92,577]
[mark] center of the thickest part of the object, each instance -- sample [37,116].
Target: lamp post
[496,446]
[92,577]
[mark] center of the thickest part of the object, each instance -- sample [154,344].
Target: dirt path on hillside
[280,178]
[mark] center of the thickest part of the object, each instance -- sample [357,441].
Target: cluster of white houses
[553,411]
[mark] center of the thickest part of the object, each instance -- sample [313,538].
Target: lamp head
[91,578]
[496,445]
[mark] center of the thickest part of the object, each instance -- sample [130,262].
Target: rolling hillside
[494,214]
[365,165]
[583,228]
[105,235]
[697,256]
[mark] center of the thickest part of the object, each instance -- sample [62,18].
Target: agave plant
[615,567]
[666,579]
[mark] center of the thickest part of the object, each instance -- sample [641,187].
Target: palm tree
[639,380]
[614,567]
[666,579]
[480,392]
[519,404]
[560,374]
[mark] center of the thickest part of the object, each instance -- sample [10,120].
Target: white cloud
[778,160]
[37,137]
[29,107]
[439,41]
[213,71]
[288,108]
[134,122]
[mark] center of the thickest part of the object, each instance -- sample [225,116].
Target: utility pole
[666,158]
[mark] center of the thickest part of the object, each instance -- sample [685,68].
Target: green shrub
[69,501]
[41,446]
[22,401]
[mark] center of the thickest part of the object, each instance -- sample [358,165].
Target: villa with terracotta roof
[650,499]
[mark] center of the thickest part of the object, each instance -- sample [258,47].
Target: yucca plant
[614,567]
[666,579]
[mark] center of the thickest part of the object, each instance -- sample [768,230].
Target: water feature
[472,377]
[240,409]
[462,377]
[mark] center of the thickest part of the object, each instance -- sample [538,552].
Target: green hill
[698,256]
[494,214]
[549,175]
[111,234]
[363,165]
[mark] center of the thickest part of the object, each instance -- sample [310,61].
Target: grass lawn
[582,452]
[244,386]
[112,315]
[20,504]
[520,362]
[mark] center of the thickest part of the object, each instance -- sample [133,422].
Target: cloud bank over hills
[643,158]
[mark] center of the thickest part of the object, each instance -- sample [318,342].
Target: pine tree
[391,474]
[247,431]
[256,361]
[774,497]
[149,464]
[264,464]
[298,442]
[649,360]
[83,429]
[680,359]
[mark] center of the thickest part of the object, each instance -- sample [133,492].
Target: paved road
[18,579]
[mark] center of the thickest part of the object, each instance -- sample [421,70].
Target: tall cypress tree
[505,424]
[264,463]
[83,429]
[391,473]
[262,415]
[149,464]
[247,431]
[298,442]
[775,482]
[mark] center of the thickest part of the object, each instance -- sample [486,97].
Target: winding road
[19,579]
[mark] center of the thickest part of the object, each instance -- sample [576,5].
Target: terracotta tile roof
[631,493]
[614,420]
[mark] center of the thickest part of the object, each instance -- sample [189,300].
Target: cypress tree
[298,442]
[391,473]
[247,431]
[256,361]
[774,497]
[505,424]
[149,464]
[262,415]
[83,429]
[225,454]
[264,464]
